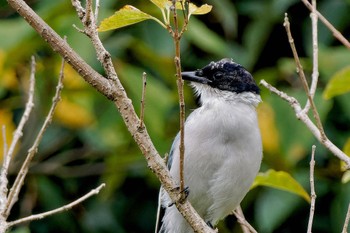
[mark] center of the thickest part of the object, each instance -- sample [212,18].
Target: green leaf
[280,180]
[339,83]
[126,16]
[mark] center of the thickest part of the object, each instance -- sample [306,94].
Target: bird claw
[210,225]
[183,194]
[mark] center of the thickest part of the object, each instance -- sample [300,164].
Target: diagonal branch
[113,90]
[17,135]
[301,115]
[312,187]
[300,71]
[16,187]
[58,210]
[335,32]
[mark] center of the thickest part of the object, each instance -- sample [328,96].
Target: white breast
[223,153]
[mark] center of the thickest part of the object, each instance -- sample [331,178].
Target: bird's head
[223,78]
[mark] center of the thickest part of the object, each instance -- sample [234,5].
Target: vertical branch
[346,222]
[3,175]
[180,84]
[142,113]
[16,187]
[315,74]
[312,187]
[17,135]
[97,9]
[302,77]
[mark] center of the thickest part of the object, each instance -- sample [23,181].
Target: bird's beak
[191,76]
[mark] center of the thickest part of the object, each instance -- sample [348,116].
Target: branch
[246,227]
[17,135]
[114,91]
[16,187]
[301,115]
[302,77]
[335,32]
[180,83]
[142,112]
[125,107]
[346,222]
[58,210]
[313,193]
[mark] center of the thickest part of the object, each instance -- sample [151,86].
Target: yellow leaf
[126,16]
[72,80]
[73,115]
[8,76]
[161,4]
[346,177]
[346,150]
[339,84]
[269,132]
[194,10]
[280,180]
[10,127]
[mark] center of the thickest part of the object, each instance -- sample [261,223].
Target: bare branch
[16,187]
[17,135]
[142,113]
[180,83]
[346,222]
[302,77]
[113,90]
[97,9]
[58,210]
[301,115]
[335,32]
[3,175]
[312,187]
[315,72]
[246,227]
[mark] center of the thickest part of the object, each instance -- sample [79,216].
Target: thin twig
[301,115]
[302,77]
[3,176]
[346,222]
[180,84]
[88,9]
[335,32]
[312,187]
[246,227]
[97,9]
[18,134]
[58,210]
[143,99]
[315,72]
[16,187]
[111,87]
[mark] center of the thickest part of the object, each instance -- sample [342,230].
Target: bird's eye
[218,75]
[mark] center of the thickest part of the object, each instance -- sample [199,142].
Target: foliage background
[88,143]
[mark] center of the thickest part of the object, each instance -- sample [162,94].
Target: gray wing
[161,208]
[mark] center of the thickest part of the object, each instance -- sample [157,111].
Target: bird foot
[183,194]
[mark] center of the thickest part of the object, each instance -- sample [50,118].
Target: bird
[223,148]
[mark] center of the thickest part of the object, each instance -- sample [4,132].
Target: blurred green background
[88,143]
